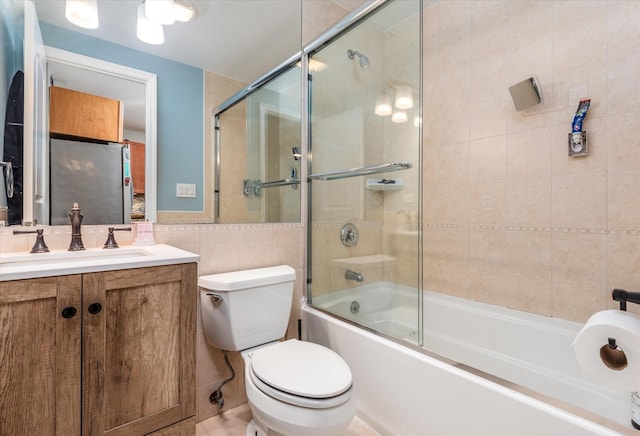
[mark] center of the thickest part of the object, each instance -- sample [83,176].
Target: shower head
[362,59]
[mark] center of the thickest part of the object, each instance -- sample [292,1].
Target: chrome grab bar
[253,187]
[361,171]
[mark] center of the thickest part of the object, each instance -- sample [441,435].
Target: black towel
[13,143]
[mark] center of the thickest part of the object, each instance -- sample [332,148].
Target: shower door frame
[352,20]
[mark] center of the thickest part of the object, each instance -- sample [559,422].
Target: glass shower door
[364,166]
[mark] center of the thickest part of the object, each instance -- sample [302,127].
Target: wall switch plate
[185,190]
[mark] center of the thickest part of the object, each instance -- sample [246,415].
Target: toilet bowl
[293,387]
[286,400]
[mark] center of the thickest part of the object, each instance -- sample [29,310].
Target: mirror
[190,52]
[258,154]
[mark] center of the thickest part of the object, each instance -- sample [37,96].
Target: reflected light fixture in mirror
[383,105]
[146,30]
[82,13]
[399,117]
[404,97]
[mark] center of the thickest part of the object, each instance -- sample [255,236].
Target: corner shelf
[385,184]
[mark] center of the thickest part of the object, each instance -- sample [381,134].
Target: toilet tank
[243,309]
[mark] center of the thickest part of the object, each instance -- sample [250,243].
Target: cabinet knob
[69,312]
[94,308]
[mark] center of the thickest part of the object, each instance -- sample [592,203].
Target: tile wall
[509,218]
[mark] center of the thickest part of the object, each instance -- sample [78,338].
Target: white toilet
[294,388]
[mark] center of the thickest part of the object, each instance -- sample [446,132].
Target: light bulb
[159,11]
[83,13]
[183,11]
[147,30]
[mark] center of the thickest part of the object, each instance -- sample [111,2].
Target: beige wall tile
[529,154]
[487,266]
[578,303]
[529,256]
[622,141]
[446,261]
[623,262]
[579,258]
[623,194]
[488,159]
[532,296]
[529,202]
[579,200]
[622,15]
[488,202]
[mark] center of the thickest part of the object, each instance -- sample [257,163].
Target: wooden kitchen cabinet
[124,364]
[137,166]
[82,115]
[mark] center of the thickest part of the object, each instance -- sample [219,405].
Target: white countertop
[16,266]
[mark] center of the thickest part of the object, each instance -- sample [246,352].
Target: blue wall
[180,111]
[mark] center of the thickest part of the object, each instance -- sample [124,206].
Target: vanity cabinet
[74,113]
[108,353]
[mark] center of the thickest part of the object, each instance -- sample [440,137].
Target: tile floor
[234,421]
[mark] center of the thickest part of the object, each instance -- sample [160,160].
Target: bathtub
[402,389]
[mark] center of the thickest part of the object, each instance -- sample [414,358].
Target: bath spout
[352,275]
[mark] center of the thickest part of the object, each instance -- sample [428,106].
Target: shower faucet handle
[349,235]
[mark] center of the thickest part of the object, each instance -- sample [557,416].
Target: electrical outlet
[185,190]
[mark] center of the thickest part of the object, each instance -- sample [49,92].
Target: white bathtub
[402,390]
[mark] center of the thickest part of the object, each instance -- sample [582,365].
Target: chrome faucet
[352,275]
[75,216]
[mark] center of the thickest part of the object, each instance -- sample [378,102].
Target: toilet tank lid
[249,278]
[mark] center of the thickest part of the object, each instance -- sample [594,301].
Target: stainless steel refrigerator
[96,176]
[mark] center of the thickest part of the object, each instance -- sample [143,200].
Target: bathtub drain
[355,307]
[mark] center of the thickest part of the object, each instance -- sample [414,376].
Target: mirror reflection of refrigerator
[96,176]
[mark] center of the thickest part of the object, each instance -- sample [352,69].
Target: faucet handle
[39,246]
[111,240]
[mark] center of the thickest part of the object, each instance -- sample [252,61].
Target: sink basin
[36,259]
[16,266]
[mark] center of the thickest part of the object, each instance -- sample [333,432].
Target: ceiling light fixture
[183,11]
[148,31]
[83,13]
[159,11]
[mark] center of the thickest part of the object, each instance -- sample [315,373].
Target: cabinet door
[138,350]
[74,113]
[137,166]
[40,356]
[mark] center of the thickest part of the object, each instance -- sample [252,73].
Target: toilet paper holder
[625,296]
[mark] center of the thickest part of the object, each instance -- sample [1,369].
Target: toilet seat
[301,373]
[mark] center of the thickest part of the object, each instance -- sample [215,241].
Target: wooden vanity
[92,353]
